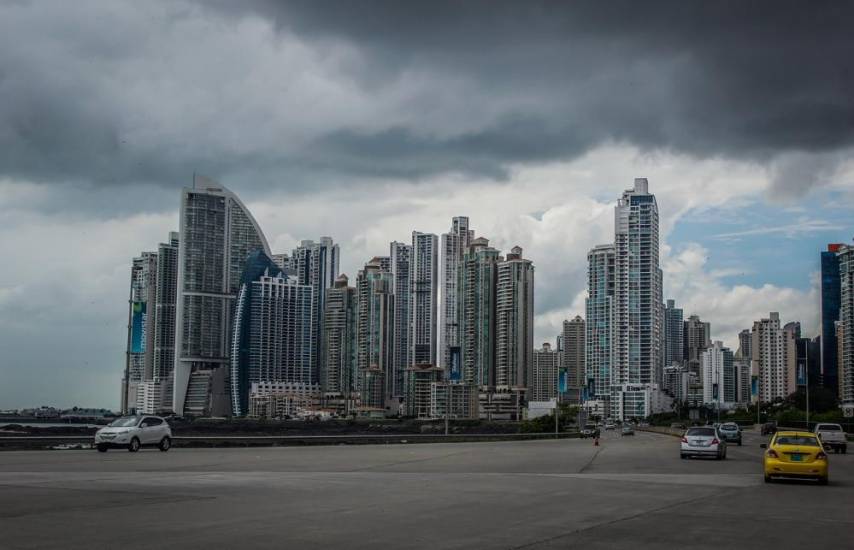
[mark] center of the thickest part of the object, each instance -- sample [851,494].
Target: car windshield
[710,432]
[729,427]
[804,440]
[125,422]
[830,428]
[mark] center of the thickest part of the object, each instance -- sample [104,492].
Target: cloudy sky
[367,120]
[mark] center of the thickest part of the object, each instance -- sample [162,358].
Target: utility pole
[448,407]
[807,367]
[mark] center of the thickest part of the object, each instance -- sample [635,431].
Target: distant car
[833,436]
[590,430]
[768,428]
[643,424]
[627,430]
[610,426]
[703,441]
[731,432]
[797,455]
[133,432]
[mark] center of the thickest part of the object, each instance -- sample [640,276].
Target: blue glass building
[830,303]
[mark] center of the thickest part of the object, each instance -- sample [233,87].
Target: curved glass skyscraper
[257,265]
[217,235]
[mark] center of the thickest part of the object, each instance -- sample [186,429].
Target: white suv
[133,432]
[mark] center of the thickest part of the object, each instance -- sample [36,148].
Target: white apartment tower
[625,321]
[768,360]
[316,265]
[544,374]
[514,321]
[637,287]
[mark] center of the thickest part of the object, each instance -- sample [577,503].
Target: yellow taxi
[795,455]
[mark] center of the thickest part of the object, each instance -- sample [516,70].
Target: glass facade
[830,304]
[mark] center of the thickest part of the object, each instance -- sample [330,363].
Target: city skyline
[326,127]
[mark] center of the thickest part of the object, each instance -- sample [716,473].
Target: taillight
[715,441]
[820,456]
[772,453]
[684,440]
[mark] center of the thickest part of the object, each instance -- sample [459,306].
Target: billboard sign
[802,374]
[456,369]
[562,381]
[137,327]
[754,385]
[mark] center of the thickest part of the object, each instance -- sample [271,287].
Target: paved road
[626,493]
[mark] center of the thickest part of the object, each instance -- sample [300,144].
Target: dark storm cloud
[746,80]
[732,78]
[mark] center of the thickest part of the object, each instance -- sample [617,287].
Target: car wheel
[822,481]
[133,446]
[165,444]
[844,449]
[739,443]
[682,456]
[102,448]
[768,479]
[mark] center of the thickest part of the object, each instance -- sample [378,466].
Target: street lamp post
[807,367]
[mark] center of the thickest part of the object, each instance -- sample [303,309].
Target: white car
[703,441]
[133,432]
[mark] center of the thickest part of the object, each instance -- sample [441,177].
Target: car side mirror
[763,445]
[143,425]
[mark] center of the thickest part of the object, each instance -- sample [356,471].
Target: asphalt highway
[629,492]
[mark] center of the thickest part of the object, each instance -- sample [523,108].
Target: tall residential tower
[217,235]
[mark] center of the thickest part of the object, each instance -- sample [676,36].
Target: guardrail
[675,432]
[32,441]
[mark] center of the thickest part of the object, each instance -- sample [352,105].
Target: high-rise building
[697,338]
[768,360]
[401,282]
[316,265]
[217,235]
[283,261]
[573,351]
[455,243]
[717,375]
[272,331]
[544,374]
[476,291]
[151,331]
[625,327]
[831,302]
[845,347]
[424,298]
[164,309]
[745,340]
[375,336]
[139,360]
[674,330]
[601,273]
[743,380]
[339,375]
[637,289]
[514,327]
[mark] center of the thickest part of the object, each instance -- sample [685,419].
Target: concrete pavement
[630,492]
